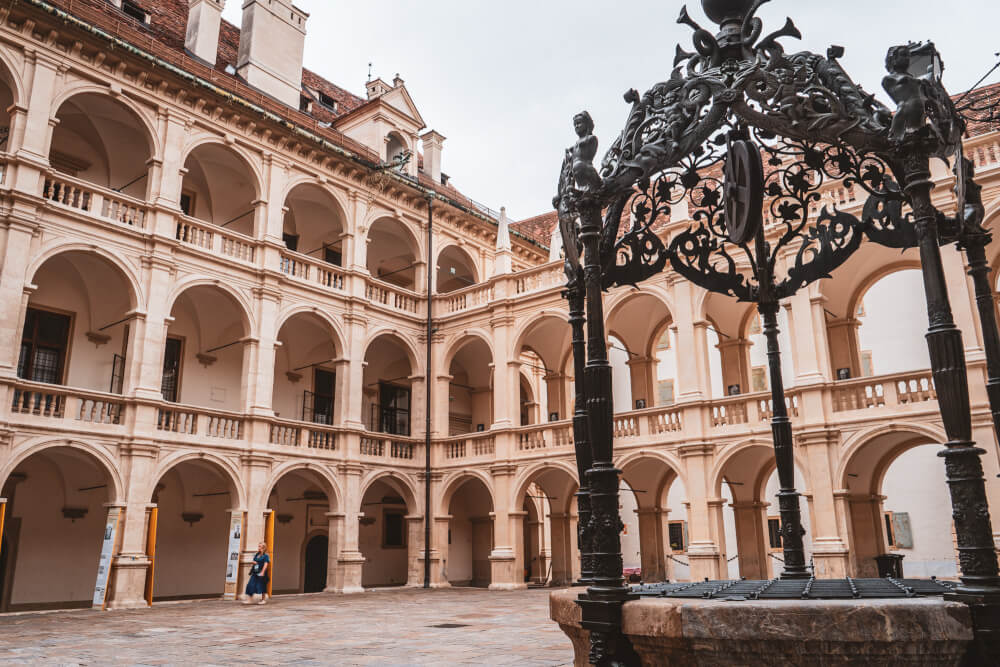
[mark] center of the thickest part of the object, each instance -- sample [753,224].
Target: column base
[830,558]
[127,582]
[503,576]
[347,578]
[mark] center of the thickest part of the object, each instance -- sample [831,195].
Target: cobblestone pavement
[383,627]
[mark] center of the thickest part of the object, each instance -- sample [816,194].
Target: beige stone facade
[212,313]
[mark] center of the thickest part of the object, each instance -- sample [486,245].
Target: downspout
[428,384]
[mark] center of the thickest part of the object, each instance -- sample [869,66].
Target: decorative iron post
[575,295]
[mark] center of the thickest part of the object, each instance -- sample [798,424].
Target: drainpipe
[428,384]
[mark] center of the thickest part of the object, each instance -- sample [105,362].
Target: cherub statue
[907,91]
[582,154]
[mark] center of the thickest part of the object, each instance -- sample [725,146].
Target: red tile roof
[985,109]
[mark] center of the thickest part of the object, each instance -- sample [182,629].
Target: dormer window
[395,149]
[327,101]
[305,104]
[132,10]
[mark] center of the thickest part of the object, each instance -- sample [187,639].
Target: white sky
[502,80]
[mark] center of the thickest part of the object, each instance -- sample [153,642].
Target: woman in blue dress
[258,576]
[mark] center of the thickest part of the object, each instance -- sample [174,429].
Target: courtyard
[399,626]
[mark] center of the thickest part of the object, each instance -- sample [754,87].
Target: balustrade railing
[464,299]
[884,391]
[215,240]
[469,446]
[312,271]
[94,201]
[391,296]
[188,420]
[540,278]
[544,436]
[57,402]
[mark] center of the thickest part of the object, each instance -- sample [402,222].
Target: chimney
[376,88]
[433,142]
[202,38]
[272,41]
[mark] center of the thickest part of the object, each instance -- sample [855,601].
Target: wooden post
[151,553]
[269,540]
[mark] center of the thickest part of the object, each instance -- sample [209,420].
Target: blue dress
[258,582]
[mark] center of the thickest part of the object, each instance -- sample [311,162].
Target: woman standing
[258,575]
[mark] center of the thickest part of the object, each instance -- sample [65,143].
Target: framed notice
[233,555]
[107,555]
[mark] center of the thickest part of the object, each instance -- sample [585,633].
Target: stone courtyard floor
[381,627]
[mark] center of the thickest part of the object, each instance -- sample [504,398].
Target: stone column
[867,534]
[506,382]
[750,518]
[735,356]
[415,550]
[350,385]
[15,289]
[691,336]
[555,389]
[651,542]
[351,558]
[260,375]
[643,375]
[441,419]
[44,74]
[703,550]
[504,559]
[844,347]
[335,533]
[439,537]
[829,544]
[127,583]
[563,538]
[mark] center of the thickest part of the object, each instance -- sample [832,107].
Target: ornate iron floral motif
[812,125]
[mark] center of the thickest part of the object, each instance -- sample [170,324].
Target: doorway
[314,580]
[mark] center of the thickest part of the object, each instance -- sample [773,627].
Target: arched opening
[758,374]
[305,370]
[543,350]
[301,504]
[219,187]
[889,514]
[101,141]
[392,254]
[537,550]
[890,329]
[6,103]
[204,351]
[314,224]
[388,386]
[54,530]
[529,405]
[553,490]
[749,481]
[77,325]
[470,535]
[455,270]
[383,534]
[395,147]
[639,327]
[194,501]
[470,390]
[729,359]
[653,501]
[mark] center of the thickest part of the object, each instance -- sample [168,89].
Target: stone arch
[137,110]
[329,482]
[105,460]
[12,73]
[872,278]
[245,156]
[393,252]
[226,468]
[336,333]
[454,481]
[237,296]
[545,325]
[398,481]
[532,474]
[462,262]
[862,439]
[458,341]
[305,179]
[314,220]
[113,258]
[642,342]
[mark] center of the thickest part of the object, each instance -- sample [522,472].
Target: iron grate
[797,589]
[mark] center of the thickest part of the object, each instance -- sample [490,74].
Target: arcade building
[217,274]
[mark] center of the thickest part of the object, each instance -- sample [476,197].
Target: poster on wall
[233,555]
[107,553]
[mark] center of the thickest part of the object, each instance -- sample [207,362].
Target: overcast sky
[502,80]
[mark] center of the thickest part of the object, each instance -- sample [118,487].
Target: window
[394,533]
[867,367]
[320,404]
[758,379]
[291,241]
[677,535]
[774,533]
[305,104]
[172,355]
[135,11]
[44,343]
[187,202]
[890,536]
[327,101]
[393,411]
[333,256]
